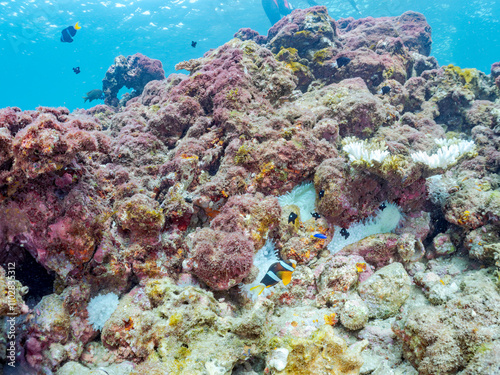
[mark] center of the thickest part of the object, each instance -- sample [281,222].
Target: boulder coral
[221,259]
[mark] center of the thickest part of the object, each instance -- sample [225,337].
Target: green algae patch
[388,73]
[321,55]
[140,215]
[333,98]
[243,154]
[394,163]
[175,319]
[303,33]
[232,95]
[323,350]
[469,77]
[287,54]
[297,67]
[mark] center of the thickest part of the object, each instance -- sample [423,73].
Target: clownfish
[279,271]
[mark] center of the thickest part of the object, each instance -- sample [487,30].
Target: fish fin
[258,289]
[287,277]
[77,26]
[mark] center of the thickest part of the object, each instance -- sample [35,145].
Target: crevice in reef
[7,165]
[29,272]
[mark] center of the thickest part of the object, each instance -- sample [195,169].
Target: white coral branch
[447,155]
[361,151]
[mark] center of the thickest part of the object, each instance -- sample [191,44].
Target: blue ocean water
[36,68]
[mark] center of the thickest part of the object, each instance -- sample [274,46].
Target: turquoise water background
[36,68]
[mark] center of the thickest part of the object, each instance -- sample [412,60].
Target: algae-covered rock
[182,327]
[324,353]
[11,295]
[435,288]
[386,290]
[484,244]
[354,315]
[485,360]
[442,339]
[74,368]
[52,325]
[443,245]
[140,215]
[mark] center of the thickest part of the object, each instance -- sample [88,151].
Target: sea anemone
[385,221]
[303,196]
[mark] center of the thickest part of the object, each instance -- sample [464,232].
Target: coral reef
[439,339]
[286,146]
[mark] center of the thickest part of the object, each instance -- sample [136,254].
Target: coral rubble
[387,201]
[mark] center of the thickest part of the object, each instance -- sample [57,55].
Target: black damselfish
[76,70]
[321,194]
[315,215]
[343,61]
[193,44]
[68,33]
[292,217]
[344,233]
[386,90]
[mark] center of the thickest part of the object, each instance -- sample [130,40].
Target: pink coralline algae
[166,200]
[411,28]
[221,259]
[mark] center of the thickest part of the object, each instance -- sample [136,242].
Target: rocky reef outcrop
[132,72]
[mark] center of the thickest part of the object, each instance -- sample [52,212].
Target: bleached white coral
[359,151]
[385,221]
[264,258]
[446,155]
[100,309]
[303,196]
[278,359]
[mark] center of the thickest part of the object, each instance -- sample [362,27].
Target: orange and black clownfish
[279,271]
[68,33]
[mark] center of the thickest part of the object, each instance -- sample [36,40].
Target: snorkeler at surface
[275,9]
[355,6]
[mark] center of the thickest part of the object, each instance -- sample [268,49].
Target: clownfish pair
[279,271]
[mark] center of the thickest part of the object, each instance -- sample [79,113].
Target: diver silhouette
[275,9]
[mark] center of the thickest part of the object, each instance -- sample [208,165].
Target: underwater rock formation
[132,72]
[166,201]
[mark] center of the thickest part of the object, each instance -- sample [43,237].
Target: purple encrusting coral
[165,201]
